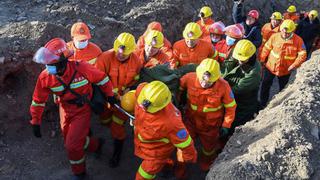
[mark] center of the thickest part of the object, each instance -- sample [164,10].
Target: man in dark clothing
[243,74]
[308,29]
[250,23]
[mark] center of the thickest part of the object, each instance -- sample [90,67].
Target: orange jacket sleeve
[103,63]
[266,49]
[176,55]
[40,97]
[97,77]
[184,82]
[230,107]
[180,138]
[302,54]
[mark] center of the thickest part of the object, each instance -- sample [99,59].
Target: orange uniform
[122,75]
[157,136]
[140,43]
[205,26]
[74,118]
[164,56]
[266,33]
[279,54]
[224,51]
[89,54]
[184,55]
[294,17]
[207,111]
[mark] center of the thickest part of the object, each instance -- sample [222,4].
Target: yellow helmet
[154,38]
[126,42]
[211,66]
[289,25]
[192,31]
[128,101]
[154,96]
[206,11]
[292,9]
[313,13]
[276,16]
[243,50]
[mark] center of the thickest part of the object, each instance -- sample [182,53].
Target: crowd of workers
[233,63]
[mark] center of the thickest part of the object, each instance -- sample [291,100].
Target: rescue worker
[80,45]
[233,35]
[292,14]
[244,76]
[205,20]
[192,49]
[210,109]
[216,31]
[308,29]
[283,52]
[250,23]
[71,83]
[154,52]
[159,131]
[270,28]
[123,68]
[153,26]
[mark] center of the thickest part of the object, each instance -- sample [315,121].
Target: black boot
[98,152]
[81,176]
[117,145]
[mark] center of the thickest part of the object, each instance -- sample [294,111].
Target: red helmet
[51,52]
[155,26]
[217,28]
[234,32]
[240,26]
[254,14]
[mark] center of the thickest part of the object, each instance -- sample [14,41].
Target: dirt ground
[27,25]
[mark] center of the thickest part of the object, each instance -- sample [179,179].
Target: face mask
[51,69]
[230,41]
[81,44]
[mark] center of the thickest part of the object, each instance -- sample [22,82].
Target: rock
[2,59]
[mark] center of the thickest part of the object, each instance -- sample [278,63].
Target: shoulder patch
[231,95]
[182,134]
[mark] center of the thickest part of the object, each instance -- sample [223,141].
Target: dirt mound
[282,142]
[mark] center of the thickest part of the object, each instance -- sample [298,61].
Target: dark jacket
[252,32]
[308,31]
[244,81]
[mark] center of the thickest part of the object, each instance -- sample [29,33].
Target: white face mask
[81,44]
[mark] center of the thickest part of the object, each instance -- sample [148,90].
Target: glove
[36,131]
[223,133]
[112,100]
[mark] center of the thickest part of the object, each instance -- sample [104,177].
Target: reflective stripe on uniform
[92,61]
[115,90]
[57,89]
[194,107]
[275,54]
[208,153]
[80,161]
[105,121]
[79,84]
[72,86]
[145,174]
[117,120]
[37,104]
[137,77]
[215,54]
[184,144]
[264,40]
[290,57]
[103,82]
[233,103]
[86,144]
[164,140]
[181,88]
[207,109]
[223,55]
